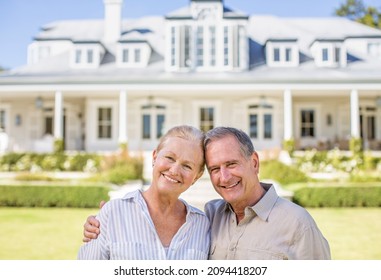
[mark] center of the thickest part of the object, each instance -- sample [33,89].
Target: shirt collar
[137,196]
[264,206]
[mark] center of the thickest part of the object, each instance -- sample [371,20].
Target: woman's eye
[188,167]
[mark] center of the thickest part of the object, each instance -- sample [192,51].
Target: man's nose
[225,174]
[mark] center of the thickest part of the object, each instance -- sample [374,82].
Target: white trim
[192,86]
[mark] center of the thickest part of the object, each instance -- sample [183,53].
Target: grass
[56,233]
[353,233]
[41,233]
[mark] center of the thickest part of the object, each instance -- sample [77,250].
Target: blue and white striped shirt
[128,232]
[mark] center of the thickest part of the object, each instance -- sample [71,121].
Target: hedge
[53,196]
[281,173]
[338,197]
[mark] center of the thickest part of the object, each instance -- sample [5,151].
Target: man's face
[233,175]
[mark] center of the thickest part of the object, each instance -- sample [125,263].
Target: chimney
[113,20]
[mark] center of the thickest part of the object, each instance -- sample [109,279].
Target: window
[125,55]
[186,61]
[329,54]
[133,54]
[282,53]
[200,46]
[3,120]
[276,54]
[324,54]
[78,55]
[226,46]
[253,125]
[267,124]
[104,123]
[48,129]
[173,46]
[153,118]
[307,123]
[86,55]
[206,118]
[43,52]
[212,32]
[368,116]
[137,55]
[90,56]
[288,55]
[374,49]
[261,121]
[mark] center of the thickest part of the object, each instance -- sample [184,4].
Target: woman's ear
[154,156]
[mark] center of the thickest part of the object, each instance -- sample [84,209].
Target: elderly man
[251,221]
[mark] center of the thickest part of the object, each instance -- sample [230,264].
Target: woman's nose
[174,169]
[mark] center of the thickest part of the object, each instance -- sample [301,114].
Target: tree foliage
[356,10]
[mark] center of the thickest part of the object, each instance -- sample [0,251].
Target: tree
[357,11]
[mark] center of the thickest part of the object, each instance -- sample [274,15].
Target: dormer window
[207,38]
[85,55]
[329,54]
[38,51]
[282,53]
[133,54]
[374,49]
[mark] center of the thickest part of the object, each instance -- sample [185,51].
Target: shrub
[49,162]
[289,146]
[355,146]
[338,197]
[53,196]
[121,167]
[33,177]
[281,173]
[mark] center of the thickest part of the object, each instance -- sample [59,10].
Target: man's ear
[255,160]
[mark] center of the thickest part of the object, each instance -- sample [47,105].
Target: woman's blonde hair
[185,132]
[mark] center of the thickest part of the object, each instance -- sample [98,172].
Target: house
[97,84]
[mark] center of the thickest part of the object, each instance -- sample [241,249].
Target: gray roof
[261,28]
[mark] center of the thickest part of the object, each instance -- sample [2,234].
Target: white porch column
[123,117]
[287,101]
[58,115]
[355,114]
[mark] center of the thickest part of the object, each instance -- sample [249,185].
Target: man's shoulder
[214,206]
[216,203]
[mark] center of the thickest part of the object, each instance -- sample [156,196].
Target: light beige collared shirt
[272,229]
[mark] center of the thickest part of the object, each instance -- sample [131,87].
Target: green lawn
[41,233]
[53,233]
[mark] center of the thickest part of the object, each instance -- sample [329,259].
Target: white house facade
[98,83]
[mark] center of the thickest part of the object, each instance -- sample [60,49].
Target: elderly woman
[156,224]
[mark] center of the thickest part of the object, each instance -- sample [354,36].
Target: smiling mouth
[170,179]
[231,186]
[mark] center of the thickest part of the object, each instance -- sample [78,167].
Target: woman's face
[177,165]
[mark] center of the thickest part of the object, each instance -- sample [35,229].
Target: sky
[21,20]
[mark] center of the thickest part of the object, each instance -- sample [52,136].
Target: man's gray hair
[243,139]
